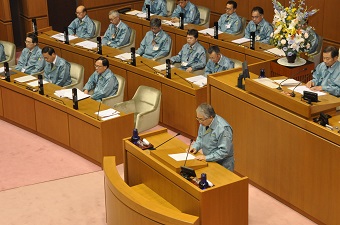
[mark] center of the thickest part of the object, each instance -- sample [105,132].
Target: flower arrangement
[290,27]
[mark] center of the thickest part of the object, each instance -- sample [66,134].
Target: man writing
[217,62]
[189,10]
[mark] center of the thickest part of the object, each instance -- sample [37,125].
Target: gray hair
[155,22]
[114,13]
[206,110]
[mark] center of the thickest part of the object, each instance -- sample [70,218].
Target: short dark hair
[48,49]
[232,3]
[333,50]
[193,32]
[259,9]
[155,22]
[207,110]
[104,60]
[215,49]
[33,37]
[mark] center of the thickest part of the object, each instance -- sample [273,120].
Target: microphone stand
[280,88]
[184,79]
[154,70]
[154,148]
[293,93]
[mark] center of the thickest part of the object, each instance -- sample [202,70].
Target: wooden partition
[6,21]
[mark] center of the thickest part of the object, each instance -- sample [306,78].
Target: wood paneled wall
[6,28]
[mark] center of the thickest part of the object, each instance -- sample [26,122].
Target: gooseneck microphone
[216,30]
[280,88]
[133,56]
[55,99]
[66,35]
[186,158]
[168,69]
[34,26]
[41,84]
[7,74]
[154,148]
[100,103]
[184,79]
[252,40]
[181,21]
[75,98]
[153,69]
[303,80]
[99,45]
[147,11]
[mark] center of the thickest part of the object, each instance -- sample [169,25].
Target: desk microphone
[154,148]
[279,87]
[133,56]
[252,40]
[153,69]
[41,84]
[216,30]
[186,158]
[99,45]
[34,26]
[66,35]
[75,98]
[99,110]
[184,79]
[168,69]
[55,99]
[303,80]
[7,74]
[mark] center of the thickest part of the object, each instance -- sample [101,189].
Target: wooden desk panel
[52,122]
[1,108]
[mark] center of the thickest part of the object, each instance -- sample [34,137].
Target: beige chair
[170,5]
[204,16]
[145,104]
[316,56]
[119,96]
[164,58]
[98,25]
[127,47]
[237,63]
[243,26]
[10,49]
[77,76]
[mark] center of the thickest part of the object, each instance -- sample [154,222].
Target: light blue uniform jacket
[195,57]
[224,64]
[160,48]
[116,37]
[59,74]
[328,78]
[33,63]
[231,24]
[157,7]
[262,33]
[84,29]
[190,11]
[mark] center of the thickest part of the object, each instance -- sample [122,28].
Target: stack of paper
[209,31]
[168,22]
[241,40]
[2,69]
[199,80]
[25,78]
[302,88]
[108,114]
[125,56]
[60,37]
[267,82]
[35,83]
[134,12]
[288,82]
[87,44]
[181,156]
[67,93]
[276,51]
[161,67]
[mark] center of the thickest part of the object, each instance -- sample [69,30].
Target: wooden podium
[149,178]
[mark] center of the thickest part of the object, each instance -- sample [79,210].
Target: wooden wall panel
[30,10]
[331,21]
[6,33]
[5,11]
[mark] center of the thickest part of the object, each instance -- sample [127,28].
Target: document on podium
[181,156]
[267,82]
[87,44]
[209,31]
[25,78]
[241,40]
[302,88]
[125,56]
[67,93]
[162,67]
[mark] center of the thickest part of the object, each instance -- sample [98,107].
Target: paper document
[125,56]
[209,31]
[25,78]
[168,22]
[181,156]
[302,88]
[199,80]
[67,93]
[267,82]
[108,114]
[276,51]
[241,40]
[162,67]
[143,15]
[2,69]
[35,83]
[134,12]
[87,44]
[60,37]
[288,82]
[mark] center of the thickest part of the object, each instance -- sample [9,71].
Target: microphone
[41,84]
[184,79]
[168,69]
[7,74]
[293,94]
[216,30]
[154,148]
[153,69]
[181,21]
[252,40]
[99,45]
[34,24]
[133,56]
[186,158]
[66,35]
[75,98]
[147,9]
[55,99]
[279,87]
[99,110]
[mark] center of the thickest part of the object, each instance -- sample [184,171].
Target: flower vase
[291,59]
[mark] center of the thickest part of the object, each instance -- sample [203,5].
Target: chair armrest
[126,107]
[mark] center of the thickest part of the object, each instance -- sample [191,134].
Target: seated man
[156,42]
[82,26]
[215,138]
[31,60]
[57,70]
[327,74]
[157,7]
[259,25]
[217,62]
[190,11]
[2,53]
[192,55]
[103,82]
[230,22]
[118,33]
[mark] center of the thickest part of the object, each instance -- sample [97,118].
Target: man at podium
[215,138]
[326,75]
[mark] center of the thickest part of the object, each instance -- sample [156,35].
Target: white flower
[307,45]
[283,41]
[257,38]
[278,30]
[306,35]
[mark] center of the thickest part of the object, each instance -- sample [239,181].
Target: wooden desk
[56,120]
[296,73]
[292,158]
[179,98]
[225,203]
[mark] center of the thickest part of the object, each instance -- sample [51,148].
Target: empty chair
[10,49]
[127,47]
[316,56]
[145,104]
[204,16]
[243,26]
[237,63]
[98,25]
[77,76]
[119,96]
[170,5]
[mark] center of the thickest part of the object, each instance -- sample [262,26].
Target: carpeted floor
[42,183]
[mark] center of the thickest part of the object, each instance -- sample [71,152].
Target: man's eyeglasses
[97,66]
[201,119]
